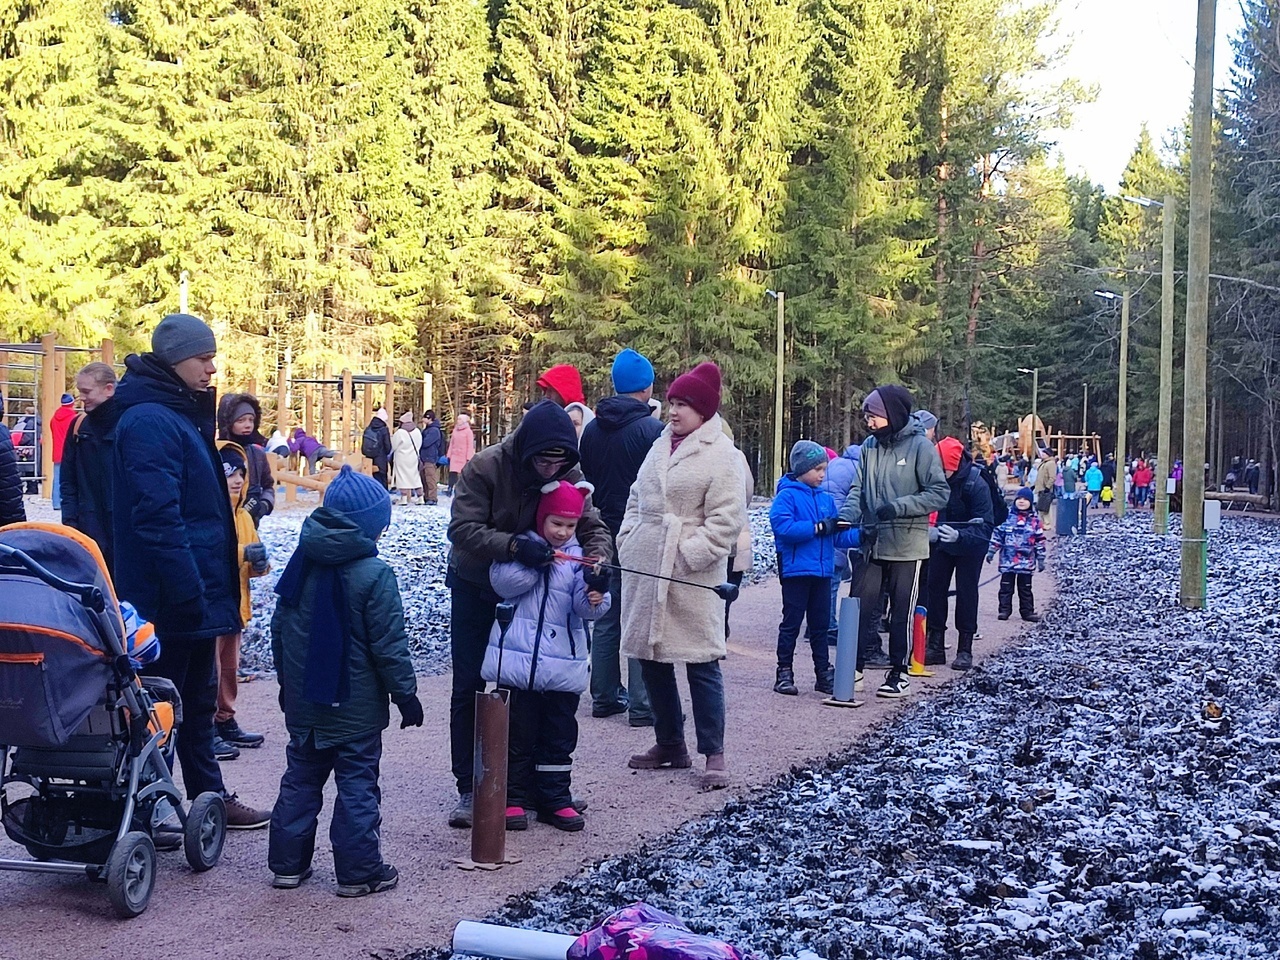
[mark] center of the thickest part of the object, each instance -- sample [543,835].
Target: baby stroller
[91,740]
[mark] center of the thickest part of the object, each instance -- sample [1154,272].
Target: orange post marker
[916,667]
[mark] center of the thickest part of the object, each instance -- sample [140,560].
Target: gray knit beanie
[180,336]
[806,455]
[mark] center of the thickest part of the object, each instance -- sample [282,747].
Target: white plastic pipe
[508,943]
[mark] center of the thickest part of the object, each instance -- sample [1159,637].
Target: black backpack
[370,442]
[999,506]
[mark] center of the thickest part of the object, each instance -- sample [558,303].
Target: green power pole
[1164,455]
[1191,591]
[1122,404]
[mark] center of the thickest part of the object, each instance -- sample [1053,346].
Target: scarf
[328,676]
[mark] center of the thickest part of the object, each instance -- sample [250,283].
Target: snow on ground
[1070,799]
[417,550]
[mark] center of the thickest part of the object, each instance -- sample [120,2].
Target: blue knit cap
[806,455]
[632,372]
[1025,493]
[361,499]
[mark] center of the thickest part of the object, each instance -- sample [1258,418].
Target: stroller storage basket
[80,829]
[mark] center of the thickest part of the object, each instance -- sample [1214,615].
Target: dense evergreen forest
[480,189]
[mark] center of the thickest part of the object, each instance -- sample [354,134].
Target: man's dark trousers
[471,620]
[967,571]
[902,576]
[192,667]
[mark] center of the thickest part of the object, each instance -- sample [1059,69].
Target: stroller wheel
[131,873]
[206,830]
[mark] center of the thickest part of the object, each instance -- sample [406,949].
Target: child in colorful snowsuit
[542,659]
[251,558]
[1020,543]
[803,517]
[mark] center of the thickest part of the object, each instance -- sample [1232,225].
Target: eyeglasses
[547,463]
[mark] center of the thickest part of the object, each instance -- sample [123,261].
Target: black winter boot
[964,653]
[825,679]
[786,682]
[935,648]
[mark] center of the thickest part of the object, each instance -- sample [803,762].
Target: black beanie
[898,404]
[546,430]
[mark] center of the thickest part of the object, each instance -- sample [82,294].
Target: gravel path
[1069,801]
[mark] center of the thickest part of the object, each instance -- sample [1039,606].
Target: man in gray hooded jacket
[900,482]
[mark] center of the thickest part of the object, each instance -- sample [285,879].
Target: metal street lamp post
[778,387]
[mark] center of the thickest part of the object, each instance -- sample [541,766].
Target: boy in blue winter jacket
[1020,543]
[543,660]
[803,517]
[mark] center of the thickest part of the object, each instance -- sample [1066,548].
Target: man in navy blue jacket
[613,446]
[175,539]
[12,509]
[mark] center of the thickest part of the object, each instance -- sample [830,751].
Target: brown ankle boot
[716,776]
[658,756]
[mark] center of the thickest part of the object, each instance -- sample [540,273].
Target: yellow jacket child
[251,552]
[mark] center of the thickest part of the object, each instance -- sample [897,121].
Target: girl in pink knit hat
[542,658]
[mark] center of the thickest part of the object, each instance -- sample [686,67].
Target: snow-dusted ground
[1068,800]
[417,550]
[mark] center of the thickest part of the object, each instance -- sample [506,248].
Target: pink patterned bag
[642,932]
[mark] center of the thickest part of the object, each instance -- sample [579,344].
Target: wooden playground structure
[333,408]
[1018,443]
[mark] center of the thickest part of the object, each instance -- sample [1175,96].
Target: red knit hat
[951,450]
[561,498]
[699,388]
[565,380]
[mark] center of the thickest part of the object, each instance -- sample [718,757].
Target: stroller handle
[88,595]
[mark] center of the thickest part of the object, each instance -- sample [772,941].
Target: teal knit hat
[361,499]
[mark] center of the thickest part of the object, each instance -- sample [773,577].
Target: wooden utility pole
[326,406]
[108,352]
[282,401]
[389,395]
[779,467]
[1191,590]
[49,393]
[1164,455]
[1122,404]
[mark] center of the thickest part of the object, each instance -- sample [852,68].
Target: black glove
[886,511]
[825,527]
[410,712]
[597,580]
[251,503]
[531,553]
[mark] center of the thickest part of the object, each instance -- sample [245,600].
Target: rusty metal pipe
[489,797]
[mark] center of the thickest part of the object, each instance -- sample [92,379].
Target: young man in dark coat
[240,421]
[429,455]
[175,540]
[956,548]
[12,509]
[496,498]
[87,459]
[613,446]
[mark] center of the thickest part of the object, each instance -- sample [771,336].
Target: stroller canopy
[56,654]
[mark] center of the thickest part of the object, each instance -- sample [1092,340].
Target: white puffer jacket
[546,645]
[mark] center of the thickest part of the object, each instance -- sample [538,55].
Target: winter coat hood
[615,413]
[227,408]
[333,539]
[565,380]
[545,427]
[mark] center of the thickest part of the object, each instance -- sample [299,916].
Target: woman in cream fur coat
[683,517]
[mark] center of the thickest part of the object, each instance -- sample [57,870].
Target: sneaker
[878,661]
[517,818]
[825,681]
[608,710]
[384,879]
[230,732]
[460,815]
[290,881]
[241,816]
[895,685]
[567,819]
[858,685]
[223,750]
[658,756]
[166,828]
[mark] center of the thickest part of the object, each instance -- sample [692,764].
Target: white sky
[1139,54]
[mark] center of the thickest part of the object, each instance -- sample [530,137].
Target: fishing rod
[725,591]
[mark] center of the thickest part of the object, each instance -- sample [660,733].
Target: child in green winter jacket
[340,653]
